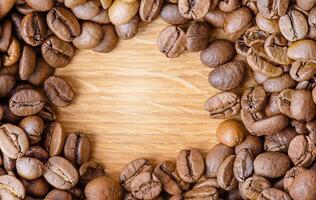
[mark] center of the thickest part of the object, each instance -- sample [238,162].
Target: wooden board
[135,102]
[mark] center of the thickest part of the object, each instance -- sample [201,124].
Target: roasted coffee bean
[13,53]
[16,19]
[41,73]
[38,152]
[9,164]
[212,182]
[121,12]
[291,175]
[169,178]
[33,27]
[250,143]
[58,194]
[243,165]
[216,18]
[272,9]
[278,84]
[109,41]
[197,36]
[268,25]
[29,168]
[279,141]
[106,3]
[303,71]
[129,30]
[91,35]
[33,127]
[225,174]
[193,9]
[24,8]
[202,193]
[190,165]
[58,91]
[223,105]
[103,188]
[230,132]
[47,113]
[60,173]
[63,23]
[259,78]
[5,7]
[171,14]
[36,188]
[77,148]
[228,5]
[227,76]
[303,189]
[12,188]
[312,18]
[131,170]
[272,108]
[302,151]
[26,102]
[251,4]
[300,126]
[272,193]
[55,138]
[254,34]
[254,99]
[7,83]
[102,17]
[302,50]
[276,48]
[217,53]
[87,10]
[90,170]
[27,63]
[215,157]
[149,9]
[6,34]
[146,186]
[41,5]
[171,41]
[253,186]
[76,193]
[73,3]
[8,116]
[237,22]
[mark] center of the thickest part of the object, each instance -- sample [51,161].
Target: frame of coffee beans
[269,154]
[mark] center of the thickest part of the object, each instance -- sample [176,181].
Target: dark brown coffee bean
[291,175]
[216,18]
[250,143]
[197,36]
[302,151]
[36,188]
[26,102]
[87,10]
[56,52]
[149,9]
[193,9]
[47,113]
[276,48]
[58,91]
[253,186]
[29,168]
[146,186]
[13,141]
[7,83]
[33,127]
[103,188]
[190,165]
[302,50]
[171,14]
[91,35]
[109,41]
[27,63]
[171,41]
[38,152]
[223,105]
[8,116]
[6,33]
[272,9]
[131,170]
[60,173]
[272,193]
[227,76]
[90,170]
[41,73]
[303,71]
[278,84]
[77,148]
[63,23]
[243,165]
[129,30]
[55,138]
[225,174]
[303,186]
[202,193]
[171,182]
[73,3]
[279,141]
[217,53]
[76,193]
[12,188]
[13,53]
[254,99]
[34,29]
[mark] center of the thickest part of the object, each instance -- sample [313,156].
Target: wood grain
[134,102]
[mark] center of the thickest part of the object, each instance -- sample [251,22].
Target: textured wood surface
[135,102]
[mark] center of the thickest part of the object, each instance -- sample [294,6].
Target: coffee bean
[302,151]
[38,152]
[87,10]
[58,194]
[217,53]
[253,186]
[278,84]
[293,25]
[230,132]
[171,14]
[12,188]
[272,193]
[300,188]
[300,126]
[58,91]
[254,99]
[212,182]
[76,193]
[302,50]
[41,73]
[216,18]
[5,7]
[77,148]
[291,175]
[268,25]
[225,174]
[252,144]
[27,63]
[253,35]
[60,173]
[24,8]
[6,33]
[41,5]
[106,3]
[223,105]
[54,139]
[73,3]
[36,188]
[47,113]
[190,165]
[33,28]
[7,83]
[193,9]
[91,35]
[149,9]
[121,12]
[26,102]
[279,141]
[171,41]
[276,48]
[29,168]
[272,108]
[56,52]
[109,41]
[272,9]
[303,71]
[200,193]
[90,170]
[228,5]
[146,186]
[131,170]
[197,36]
[129,30]
[305,4]
[33,127]
[227,76]
[103,188]
[102,17]
[13,53]
[243,165]
[63,23]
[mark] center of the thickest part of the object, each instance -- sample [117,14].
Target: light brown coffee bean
[29,168]
[272,9]
[33,127]
[302,151]
[230,133]
[254,99]
[278,84]
[216,18]
[12,188]
[303,71]
[91,35]
[225,174]
[121,12]
[276,47]
[302,50]
[77,148]
[253,186]
[268,25]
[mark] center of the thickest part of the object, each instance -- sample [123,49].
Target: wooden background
[134,102]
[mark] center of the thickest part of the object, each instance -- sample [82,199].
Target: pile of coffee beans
[269,155]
